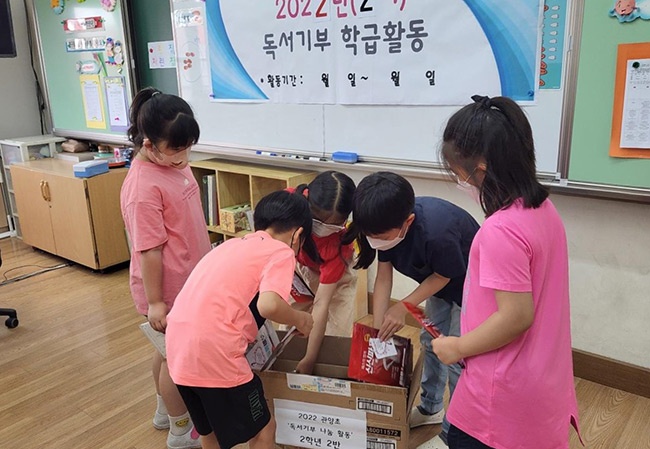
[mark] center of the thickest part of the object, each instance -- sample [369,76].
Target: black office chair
[12,321]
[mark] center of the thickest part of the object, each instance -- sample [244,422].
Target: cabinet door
[108,226]
[71,222]
[33,208]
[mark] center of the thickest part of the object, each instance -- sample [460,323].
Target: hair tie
[486,102]
[305,193]
[155,93]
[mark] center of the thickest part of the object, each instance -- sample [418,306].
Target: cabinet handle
[45,190]
[48,197]
[42,184]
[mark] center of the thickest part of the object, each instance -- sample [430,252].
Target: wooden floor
[75,374]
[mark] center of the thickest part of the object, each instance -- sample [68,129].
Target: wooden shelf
[242,183]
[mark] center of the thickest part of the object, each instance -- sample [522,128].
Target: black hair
[330,194]
[282,211]
[162,117]
[382,201]
[495,130]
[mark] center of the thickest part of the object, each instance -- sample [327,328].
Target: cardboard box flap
[333,350]
[416,378]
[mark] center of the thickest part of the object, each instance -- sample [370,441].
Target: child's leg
[342,308]
[170,394]
[161,416]
[209,442]
[265,439]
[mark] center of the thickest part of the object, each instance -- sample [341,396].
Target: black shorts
[235,414]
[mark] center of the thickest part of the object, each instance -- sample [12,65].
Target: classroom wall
[19,108]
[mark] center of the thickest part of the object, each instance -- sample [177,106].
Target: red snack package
[419,315]
[364,365]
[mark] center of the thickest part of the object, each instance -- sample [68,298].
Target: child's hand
[304,323]
[394,320]
[157,316]
[305,367]
[447,349]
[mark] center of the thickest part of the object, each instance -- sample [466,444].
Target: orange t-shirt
[211,325]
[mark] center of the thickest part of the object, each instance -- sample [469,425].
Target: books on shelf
[209,200]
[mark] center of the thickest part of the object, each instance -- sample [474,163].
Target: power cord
[29,275]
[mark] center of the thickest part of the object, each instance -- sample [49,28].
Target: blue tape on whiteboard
[345,156]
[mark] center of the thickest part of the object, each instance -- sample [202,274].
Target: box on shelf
[233,218]
[386,408]
[86,169]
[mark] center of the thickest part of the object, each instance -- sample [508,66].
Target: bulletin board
[88,88]
[377,126]
[595,108]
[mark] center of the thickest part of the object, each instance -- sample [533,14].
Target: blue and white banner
[411,52]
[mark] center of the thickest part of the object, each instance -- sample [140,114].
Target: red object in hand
[419,315]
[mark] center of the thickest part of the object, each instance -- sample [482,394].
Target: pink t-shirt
[211,325]
[521,395]
[162,206]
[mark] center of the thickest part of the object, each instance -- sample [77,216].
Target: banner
[373,51]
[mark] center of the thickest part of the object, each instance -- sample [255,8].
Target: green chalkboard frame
[59,76]
[589,160]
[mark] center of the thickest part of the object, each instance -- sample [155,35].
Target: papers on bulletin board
[91,93]
[116,102]
[161,55]
[635,127]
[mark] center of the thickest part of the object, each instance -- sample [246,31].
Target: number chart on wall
[376,77]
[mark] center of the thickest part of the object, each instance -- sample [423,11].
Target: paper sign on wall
[116,101]
[319,426]
[161,55]
[92,98]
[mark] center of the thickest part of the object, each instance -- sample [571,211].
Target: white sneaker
[161,421]
[434,443]
[418,418]
[189,440]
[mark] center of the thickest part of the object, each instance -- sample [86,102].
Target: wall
[19,111]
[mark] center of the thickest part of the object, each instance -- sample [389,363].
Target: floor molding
[612,373]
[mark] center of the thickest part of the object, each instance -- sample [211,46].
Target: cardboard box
[386,408]
[233,218]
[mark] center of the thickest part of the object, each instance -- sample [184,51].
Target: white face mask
[472,191]
[385,245]
[321,229]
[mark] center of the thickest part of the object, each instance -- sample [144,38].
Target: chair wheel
[11,322]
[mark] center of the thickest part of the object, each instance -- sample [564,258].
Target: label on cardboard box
[318,426]
[375,406]
[381,443]
[318,384]
[384,432]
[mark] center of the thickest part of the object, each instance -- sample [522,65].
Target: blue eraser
[345,156]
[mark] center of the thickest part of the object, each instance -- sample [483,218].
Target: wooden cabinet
[76,218]
[239,183]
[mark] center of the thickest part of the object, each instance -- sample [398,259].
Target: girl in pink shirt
[162,211]
[516,390]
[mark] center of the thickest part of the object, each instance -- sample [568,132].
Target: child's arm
[382,291]
[273,307]
[395,318]
[514,316]
[152,269]
[319,312]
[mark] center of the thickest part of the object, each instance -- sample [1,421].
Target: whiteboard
[406,134]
